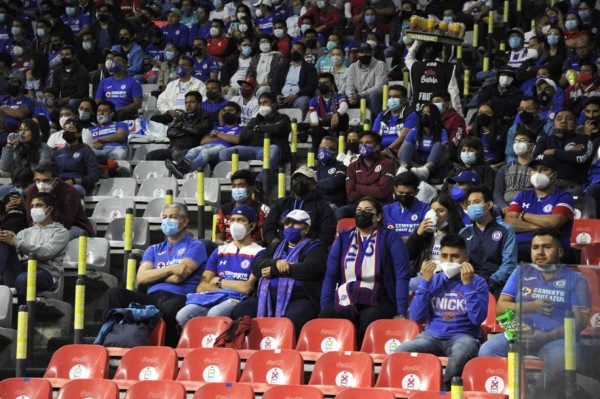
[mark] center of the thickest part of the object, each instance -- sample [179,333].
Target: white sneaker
[401,169]
[421,172]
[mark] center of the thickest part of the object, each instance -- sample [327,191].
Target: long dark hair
[435,124]
[561,47]
[495,129]
[455,223]
[40,68]
[30,150]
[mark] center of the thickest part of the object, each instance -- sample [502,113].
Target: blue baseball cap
[466,176]
[246,212]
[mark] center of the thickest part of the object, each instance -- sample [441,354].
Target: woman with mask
[87,113]
[367,272]
[486,127]
[471,156]
[423,245]
[290,274]
[168,68]
[23,149]
[264,63]
[76,161]
[325,63]
[227,278]
[573,30]
[243,28]
[425,145]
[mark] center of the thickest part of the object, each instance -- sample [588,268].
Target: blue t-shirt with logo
[120,92]
[106,130]
[15,103]
[427,140]
[232,130]
[264,24]
[404,220]
[390,129]
[203,69]
[77,22]
[232,263]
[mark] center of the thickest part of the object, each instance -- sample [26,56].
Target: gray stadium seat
[111,208]
[145,170]
[116,229]
[156,188]
[293,113]
[114,187]
[97,255]
[585,207]
[6,307]
[153,210]
[212,192]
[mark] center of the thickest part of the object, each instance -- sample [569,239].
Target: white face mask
[108,64]
[336,60]
[44,187]
[520,148]
[258,12]
[450,269]
[38,215]
[505,81]
[243,28]
[546,29]
[540,180]
[238,231]
[265,47]
[214,32]
[264,110]
[278,33]
[63,120]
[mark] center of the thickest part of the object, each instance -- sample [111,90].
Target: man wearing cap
[325,15]
[172,101]
[370,175]
[221,137]
[15,106]
[227,278]
[246,99]
[551,100]
[331,173]
[529,120]
[504,97]
[120,89]
[462,182]
[365,79]
[251,145]
[545,205]
[519,55]
[303,195]
[175,32]
[71,80]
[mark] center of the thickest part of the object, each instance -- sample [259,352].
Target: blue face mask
[370,19]
[393,103]
[585,14]
[457,193]
[475,212]
[20,191]
[449,19]
[365,150]
[170,227]
[553,20]
[239,194]
[169,55]
[115,67]
[304,28]
[575,2]
[552,40]
[181,71]
[514,42]
[246,51]
[292,234]
[571,24]
[324,155]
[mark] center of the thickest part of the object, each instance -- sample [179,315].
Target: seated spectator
[71,80]
[56,139]
[47,105]
[15,107]
[368,25]
[453,304]
[584,52]
[242,186]
[105,29]
[324,62]
[589,17]
[172,101]
[452,120]
[327,112]
[331,173]
[407,213]
[167,72]
[122,90]
[247,100]
[170,270]
[425,146]
[264,64]
[489,129]
[68,210]
[529,119]
[352,145]
[571,152]
[25,150]
[542,315]
[221,137]
[283,41]
[78,21]
[314,49]
[370,175]
[587,86]
[503,96]
[202,27]
[295,82]
[219,45]
[87,114]
[290,275]
[364,287]
[519,55]
[515,177]
[76,161]
[365,79]
[38,77]
[46,239]
[205,66]
[491,243]
[13,215]
[325,15]
[471,159]
[264,17]
[546,92]
[251,146]
[236,67]
[175,32]
[461,183]
[214,101]
[394,123]
[573,29]
[545,205]
[134,59]
[227,278]
[109,137]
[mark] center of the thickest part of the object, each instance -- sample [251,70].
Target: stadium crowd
[448,192]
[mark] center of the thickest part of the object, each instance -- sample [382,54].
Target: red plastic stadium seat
[204,365]
[364,393]
[319,336]
[593,328]
[447,395]
[384,336]
[336,371]
[490,324]
[591,274]
[31,388]
[585,232]
[224,390]
[201,332]
[156,337]
[346,223]
[273,367]
[269,333]
[72,362]
[486,374]
[92,388]
[156,389]
[405,372]
[293,391]
[146,363]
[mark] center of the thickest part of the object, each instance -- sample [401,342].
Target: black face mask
[365,59]
[300,187]
[144,19]
[67,61]
[124,40]
[229,118]
[425,120]
[484,119]
[564,133]
[13,90]
[363,220]
[353,147]
[526,117]
[296,56]
[104,18]
[544,99]
[406,200]
[324,89]
[69,137]
[311,43]
[212,95]
[198,51]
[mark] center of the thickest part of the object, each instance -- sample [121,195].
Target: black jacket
[74,83]
[307,81]
[277,125]
[186,131]
[331,181]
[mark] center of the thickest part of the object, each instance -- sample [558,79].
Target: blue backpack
[128,327]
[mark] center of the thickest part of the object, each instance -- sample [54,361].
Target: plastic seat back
[327,335]
[156,337]
[275,367]
[224,390]
[97,254]
[411,371]
[156,389]
[385,335]
[343,369]
[346,223]
[31,388]
[364,393]
[150,169]
[78,361]
[585,207]
[143,149]
[147,363]
[116,230]
[293,391]
[486,374]
[153,211]
[117,187]
[292,113]
[210,365]
[89,388]
[201,332]
[271,333]
[223,169]
[490,324]
[157,187]
[113,208]
[6,306]
[585,231]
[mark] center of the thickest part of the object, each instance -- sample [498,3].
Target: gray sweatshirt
[11,160]
[48,242]
[366,81]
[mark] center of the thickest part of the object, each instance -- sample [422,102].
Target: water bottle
[13,137]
